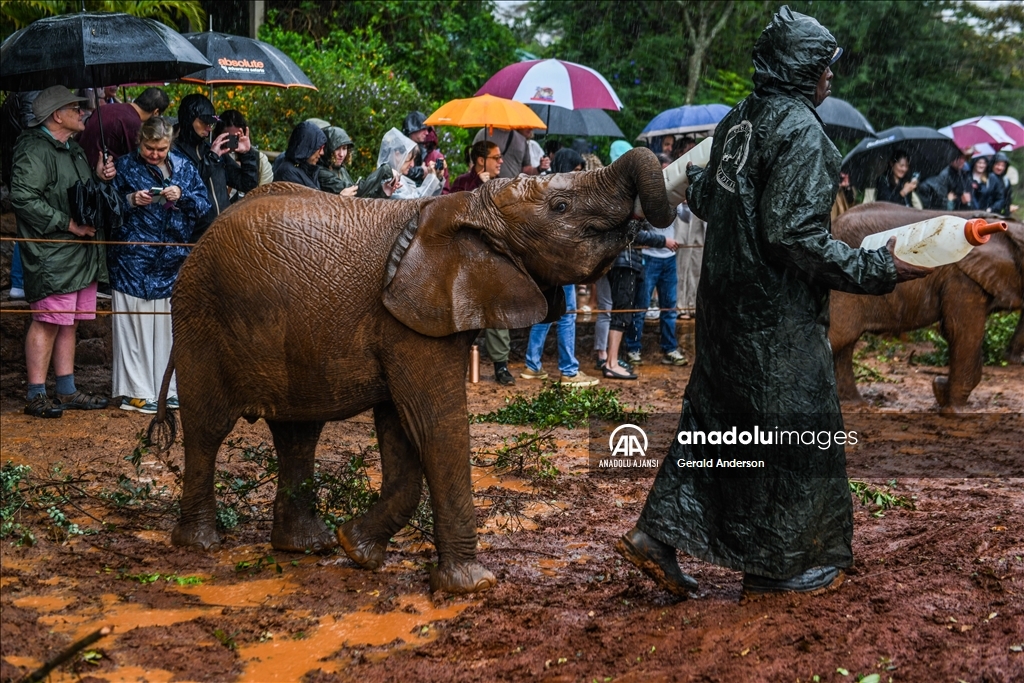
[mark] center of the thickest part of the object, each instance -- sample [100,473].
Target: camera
[232,142]
[439,164]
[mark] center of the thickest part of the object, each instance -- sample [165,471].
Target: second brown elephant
[300,307]
[958,296]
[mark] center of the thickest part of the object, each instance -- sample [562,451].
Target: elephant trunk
[640,171]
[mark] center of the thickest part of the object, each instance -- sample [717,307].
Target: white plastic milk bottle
[676,181]
[936,241]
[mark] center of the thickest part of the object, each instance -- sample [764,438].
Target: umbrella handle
[99,119]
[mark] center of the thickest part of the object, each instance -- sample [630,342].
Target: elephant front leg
[297,528]
[365,539]
[446,463]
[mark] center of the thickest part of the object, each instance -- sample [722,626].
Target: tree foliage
[447,48]
[17,14]
[905,63]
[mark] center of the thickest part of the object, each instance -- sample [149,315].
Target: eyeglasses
[499,157]
[77,108]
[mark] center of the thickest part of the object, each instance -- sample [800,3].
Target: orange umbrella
[485,111]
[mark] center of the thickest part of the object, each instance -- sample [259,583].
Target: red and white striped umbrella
[994,132]
[553,82]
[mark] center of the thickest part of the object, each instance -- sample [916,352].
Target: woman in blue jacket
[165,198]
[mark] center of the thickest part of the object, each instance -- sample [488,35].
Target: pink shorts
[67,308]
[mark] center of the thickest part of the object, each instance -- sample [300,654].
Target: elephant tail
[163,429]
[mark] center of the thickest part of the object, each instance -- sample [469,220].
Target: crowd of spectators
[173,177]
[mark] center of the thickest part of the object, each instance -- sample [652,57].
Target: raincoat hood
[566,160]
[336,137]
[191,108]
[394,149]
[619,147]
[304,141]
[414,122]
[791,55]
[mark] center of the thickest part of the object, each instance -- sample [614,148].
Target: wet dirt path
[936,593]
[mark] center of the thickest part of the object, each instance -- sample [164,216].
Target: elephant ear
[997,268]
[443,278]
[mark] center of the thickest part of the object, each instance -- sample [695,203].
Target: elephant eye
[560,207]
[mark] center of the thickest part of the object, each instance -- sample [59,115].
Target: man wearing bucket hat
[732,491]
[60,275]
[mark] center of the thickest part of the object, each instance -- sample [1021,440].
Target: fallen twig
[73,649]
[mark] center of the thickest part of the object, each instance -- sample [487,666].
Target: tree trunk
[701,36]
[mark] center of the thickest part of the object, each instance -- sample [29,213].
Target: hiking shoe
[81,401]
[504,377]
[674,357]
[42,406]
[633,357]
[580,379]
[172,403]
[140,405]
[527,373]
[16,293]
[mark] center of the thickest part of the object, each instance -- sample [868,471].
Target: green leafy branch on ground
[560,406]
[882,499]
[525,454]
[23,495]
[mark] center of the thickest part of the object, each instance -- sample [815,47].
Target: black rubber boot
[657,560]
[814,580]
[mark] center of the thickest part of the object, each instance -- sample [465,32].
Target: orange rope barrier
[576,312]
[39,240]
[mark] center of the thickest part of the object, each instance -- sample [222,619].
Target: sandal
[614,375]
[81,401]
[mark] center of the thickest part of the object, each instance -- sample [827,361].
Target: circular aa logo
[628,441]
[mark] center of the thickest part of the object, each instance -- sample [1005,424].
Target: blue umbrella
[689,118]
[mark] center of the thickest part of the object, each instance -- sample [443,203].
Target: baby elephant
[301,307]
[959,296]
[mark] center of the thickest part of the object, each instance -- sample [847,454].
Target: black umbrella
[581,122]
[95,49]
[929,150]
[843,121]
[238,60]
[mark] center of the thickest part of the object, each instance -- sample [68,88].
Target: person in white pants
[165,197]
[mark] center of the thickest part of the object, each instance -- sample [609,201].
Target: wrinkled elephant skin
[958,296]
[300,308]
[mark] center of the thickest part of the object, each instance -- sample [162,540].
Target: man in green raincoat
[756,479]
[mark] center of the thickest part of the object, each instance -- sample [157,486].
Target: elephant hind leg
[201,437]
[297,527]
[846,382]
[963,325]
[365,538]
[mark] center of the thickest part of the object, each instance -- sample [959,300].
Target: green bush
[998,330]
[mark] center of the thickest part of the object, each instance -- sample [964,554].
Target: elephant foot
[940,387]
[464,577]
[306,534]
[367,552]
[198,535]
[854,399]
[952,411]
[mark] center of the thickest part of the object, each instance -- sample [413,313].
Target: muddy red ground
[936,593]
